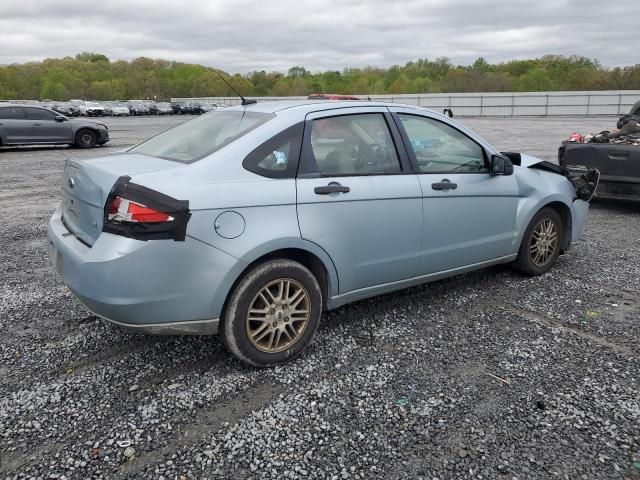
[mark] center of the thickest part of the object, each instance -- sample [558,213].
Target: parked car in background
[120,110]
[80,105]
[164,108]
[176,107]
[33,125]
[206,107]
[137,107]
[94,109]
[153,109]
[67,109]
[253,219]
[187,108]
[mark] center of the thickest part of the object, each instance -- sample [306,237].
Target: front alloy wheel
[541,243]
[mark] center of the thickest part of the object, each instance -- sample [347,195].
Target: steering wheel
[370,157]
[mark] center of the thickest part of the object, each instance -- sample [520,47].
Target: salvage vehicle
[251,220]
[618,163]
[31,125]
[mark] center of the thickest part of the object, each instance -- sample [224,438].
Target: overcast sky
[246,35]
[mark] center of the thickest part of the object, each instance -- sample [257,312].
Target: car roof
[308,106]
[23,105]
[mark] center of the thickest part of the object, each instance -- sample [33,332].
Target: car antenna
[244,100]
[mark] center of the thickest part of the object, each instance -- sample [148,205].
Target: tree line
[94,76]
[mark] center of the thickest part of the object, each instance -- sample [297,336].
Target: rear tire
[541,244]
[86,138]
[272,313]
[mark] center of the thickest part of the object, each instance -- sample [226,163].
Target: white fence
[495,104]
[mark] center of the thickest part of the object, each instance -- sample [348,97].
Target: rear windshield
[202,136]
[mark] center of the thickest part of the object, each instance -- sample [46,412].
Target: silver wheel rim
[278,315]
[86,139]
[544,242]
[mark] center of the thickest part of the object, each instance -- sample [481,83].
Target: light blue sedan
[250,221]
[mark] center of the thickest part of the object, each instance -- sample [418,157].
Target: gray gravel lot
[485,375]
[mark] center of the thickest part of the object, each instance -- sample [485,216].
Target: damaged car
[252,220]
[615,153]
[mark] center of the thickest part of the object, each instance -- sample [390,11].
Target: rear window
[194,140]
[12,113]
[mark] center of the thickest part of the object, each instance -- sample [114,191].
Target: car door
[14,126]
[45,128]
[358,198]
[469,215]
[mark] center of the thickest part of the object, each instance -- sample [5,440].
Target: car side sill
[191,327]
[339,300]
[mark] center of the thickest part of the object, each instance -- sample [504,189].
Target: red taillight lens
[121,209]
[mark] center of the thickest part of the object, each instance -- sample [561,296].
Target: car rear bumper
[157,286]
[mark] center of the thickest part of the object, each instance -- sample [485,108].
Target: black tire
[236,324]
[530,260]
[86,138]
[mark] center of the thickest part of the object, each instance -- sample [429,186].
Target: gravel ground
[485,375]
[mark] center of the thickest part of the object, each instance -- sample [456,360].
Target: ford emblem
[71,182]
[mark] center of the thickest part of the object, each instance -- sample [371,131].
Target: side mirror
[499,165]
[60,118]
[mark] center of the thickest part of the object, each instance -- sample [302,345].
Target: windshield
[202,136]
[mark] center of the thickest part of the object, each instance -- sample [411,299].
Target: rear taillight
[138,212]
[122,210]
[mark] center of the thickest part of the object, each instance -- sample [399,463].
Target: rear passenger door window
[358,144]
[12,113]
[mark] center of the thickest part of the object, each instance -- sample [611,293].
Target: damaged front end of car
[585,182]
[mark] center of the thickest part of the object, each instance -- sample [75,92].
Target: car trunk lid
[86,184]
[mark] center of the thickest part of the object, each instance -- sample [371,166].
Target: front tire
[272,313]
[86,138]
[541,243]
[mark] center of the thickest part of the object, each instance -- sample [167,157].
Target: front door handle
[333,187]
[36,124]
[444,185]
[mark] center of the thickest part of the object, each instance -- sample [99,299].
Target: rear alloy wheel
[541,243]
[273,313]
[86,138]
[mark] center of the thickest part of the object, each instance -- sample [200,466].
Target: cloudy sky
[245,35]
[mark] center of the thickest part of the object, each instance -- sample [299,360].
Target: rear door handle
[618,155]
[333,187]
[444,185]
